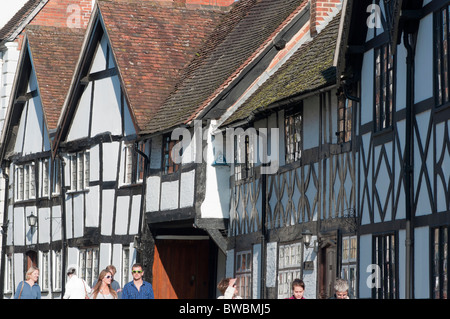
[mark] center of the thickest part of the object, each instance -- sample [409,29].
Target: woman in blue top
[29,289]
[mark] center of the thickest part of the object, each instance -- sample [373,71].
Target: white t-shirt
[76,288]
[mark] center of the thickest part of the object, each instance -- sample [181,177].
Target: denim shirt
[130,291]
[28,292]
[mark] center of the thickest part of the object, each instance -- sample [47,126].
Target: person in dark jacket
[341,290]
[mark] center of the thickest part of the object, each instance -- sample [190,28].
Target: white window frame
[57,270]
[349,262]
[290,257]
[44,273]
[55,184]
[44,177]
[88,264]
[127,177]
[9,274]
[243,264]
[125,265]
[25,181]
[79,171]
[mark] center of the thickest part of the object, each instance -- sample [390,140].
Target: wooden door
[327,270]
[181,269]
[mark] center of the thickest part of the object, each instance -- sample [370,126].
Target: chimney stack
[322,11]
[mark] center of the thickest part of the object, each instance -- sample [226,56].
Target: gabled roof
[152,44]
[310,68]
[53,73]
[54,52]
[16,24]
[248,28]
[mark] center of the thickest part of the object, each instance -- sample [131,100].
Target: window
[128,164]
[293,125]
[57,270]
[143,147]
[134,160]
[385,258]
[25,182]
[44,275]
[441,35]
[244,273]
[79,171]
[345,106]
[349,266]
[125,265]
[289,268]
[45,177]
[439,259]
[168,165]
[89,259]
[9,274]
[56,185]
[244,153]
[384,87]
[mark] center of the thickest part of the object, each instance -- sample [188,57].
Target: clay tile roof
[247,28]
[11,26]
[152,43]
[54,52]
[309,69]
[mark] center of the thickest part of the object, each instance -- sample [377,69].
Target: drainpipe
[5,225]
[63,222]
[408,169]
[144,190]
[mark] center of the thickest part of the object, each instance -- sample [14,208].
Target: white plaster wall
[187,189]
[78,214]
[230,263]
[169,195]
[152,194]
[421,263]
[217,193]
[365,251]
[367,88]
[423,87]
[105,255]
[19,226]
[56,223]
[69,216]
[122,215]
[310,276]
[311,113]
[44,222]
[94,163]
[107,212]
[106,116]
[93,206]
[79,127]
[110,161]
[441,184]
[135,213]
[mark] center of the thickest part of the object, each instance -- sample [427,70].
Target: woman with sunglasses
[102,289]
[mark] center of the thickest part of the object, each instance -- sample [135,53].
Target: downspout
[4,228]
[63,220]
[408,169]
[143,195]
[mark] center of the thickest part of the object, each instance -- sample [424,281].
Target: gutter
[63,221]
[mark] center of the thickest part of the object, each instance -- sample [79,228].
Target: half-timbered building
[131,59]
[396,52]
[34,216]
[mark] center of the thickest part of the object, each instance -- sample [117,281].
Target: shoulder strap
[20,293]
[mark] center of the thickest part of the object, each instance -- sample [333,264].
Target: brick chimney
[64,13]
[322,11]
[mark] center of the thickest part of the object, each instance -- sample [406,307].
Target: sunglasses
[108,277]
[136,271]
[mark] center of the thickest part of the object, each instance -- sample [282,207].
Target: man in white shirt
[76,288]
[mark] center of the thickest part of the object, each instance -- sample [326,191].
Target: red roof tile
[152,44]
[54,52]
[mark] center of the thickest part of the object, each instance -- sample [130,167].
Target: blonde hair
[30,271]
